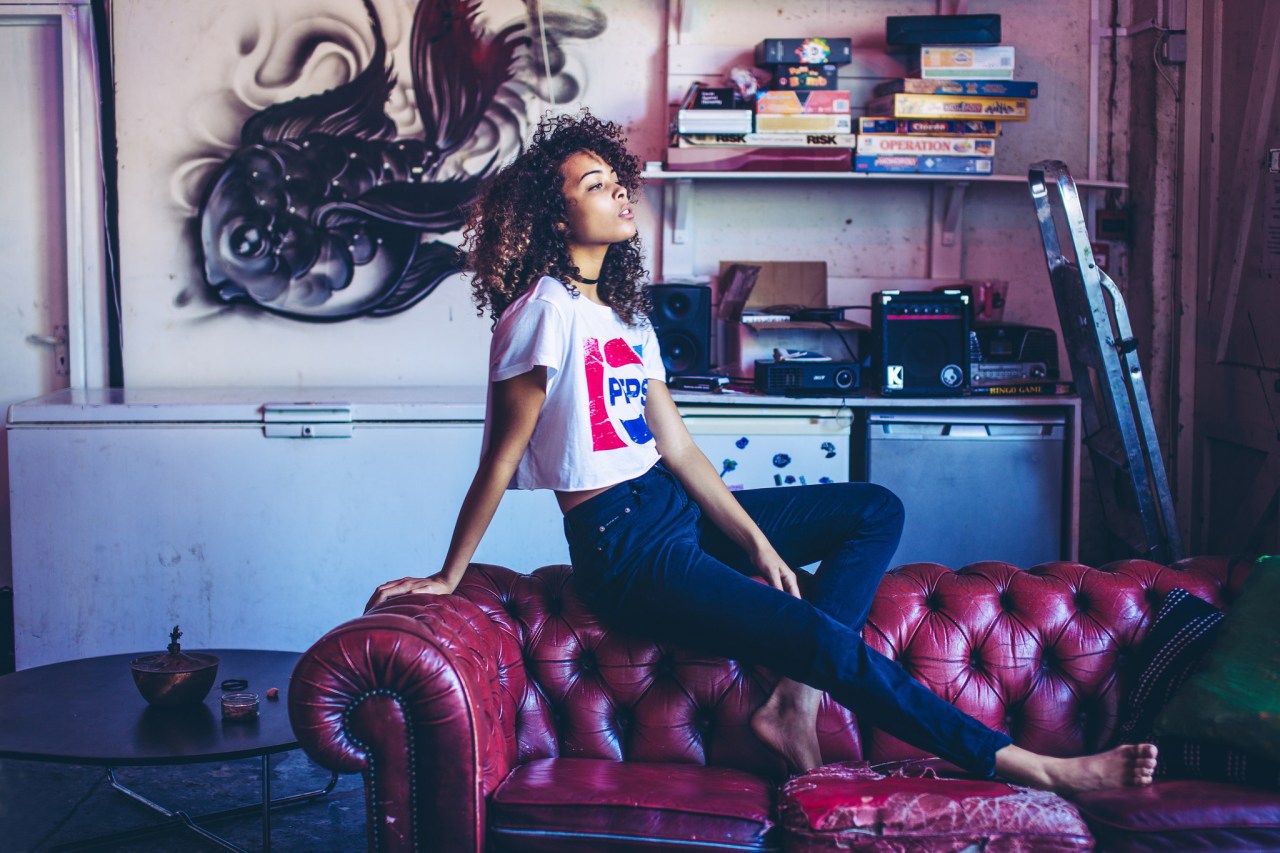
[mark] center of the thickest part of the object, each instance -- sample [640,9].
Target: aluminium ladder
[1118,429]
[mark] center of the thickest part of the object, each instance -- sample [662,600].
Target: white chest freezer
[251,517]
[264,517]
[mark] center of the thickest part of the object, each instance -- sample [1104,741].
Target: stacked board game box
[800,121]
[945,118]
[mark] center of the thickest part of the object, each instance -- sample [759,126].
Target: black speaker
[921,342]
[681,319]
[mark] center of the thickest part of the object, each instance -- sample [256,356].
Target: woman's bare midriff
[568,500]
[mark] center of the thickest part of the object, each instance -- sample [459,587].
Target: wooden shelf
[948,191]
[656,173]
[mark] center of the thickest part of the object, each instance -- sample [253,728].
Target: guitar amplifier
[921,342]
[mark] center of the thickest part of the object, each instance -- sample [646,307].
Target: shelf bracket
[951,214]
[679,21]
[677,229]
[681,201]
[945,223]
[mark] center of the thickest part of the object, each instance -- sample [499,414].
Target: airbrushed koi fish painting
[348,201]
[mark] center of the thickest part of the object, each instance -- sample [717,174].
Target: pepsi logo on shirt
[616,390]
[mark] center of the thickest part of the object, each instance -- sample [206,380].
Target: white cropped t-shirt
[591,431]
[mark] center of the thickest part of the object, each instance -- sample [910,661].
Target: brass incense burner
[174,678]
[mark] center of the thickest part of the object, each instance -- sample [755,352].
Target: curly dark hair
[512,235]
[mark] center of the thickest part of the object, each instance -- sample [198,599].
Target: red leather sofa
[508,716]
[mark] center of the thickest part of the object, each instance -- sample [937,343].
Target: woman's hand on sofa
[775,570]
[437,584]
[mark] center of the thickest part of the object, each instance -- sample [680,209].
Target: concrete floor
[44,805]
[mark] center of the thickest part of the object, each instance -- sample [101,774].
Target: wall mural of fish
[323,215]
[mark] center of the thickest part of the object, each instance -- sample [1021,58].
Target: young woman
[578,404]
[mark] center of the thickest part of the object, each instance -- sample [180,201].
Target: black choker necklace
[587,280]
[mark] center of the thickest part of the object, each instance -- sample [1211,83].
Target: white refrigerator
[755,446]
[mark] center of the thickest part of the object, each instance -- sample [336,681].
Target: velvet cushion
[1182,632]
[850,807]
[1234,697]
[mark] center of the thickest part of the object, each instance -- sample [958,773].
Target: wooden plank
[1251,512]
[1257,121]
[1188,272]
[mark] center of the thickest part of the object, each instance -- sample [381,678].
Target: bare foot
[1130,764]
[787,724]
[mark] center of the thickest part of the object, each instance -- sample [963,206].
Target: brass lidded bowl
[175,678]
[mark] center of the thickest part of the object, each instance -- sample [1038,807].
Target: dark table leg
[182,820]
[266,805]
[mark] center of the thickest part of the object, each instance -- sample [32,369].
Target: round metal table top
[89,711]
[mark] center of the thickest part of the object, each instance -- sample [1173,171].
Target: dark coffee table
[89,712]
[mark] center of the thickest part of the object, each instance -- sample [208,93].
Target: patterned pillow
[1182,632]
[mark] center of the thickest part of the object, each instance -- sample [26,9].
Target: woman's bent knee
[881,509]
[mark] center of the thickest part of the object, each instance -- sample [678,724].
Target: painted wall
[240,56]
[872,231]
[175,129]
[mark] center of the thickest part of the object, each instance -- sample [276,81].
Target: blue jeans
[645,559]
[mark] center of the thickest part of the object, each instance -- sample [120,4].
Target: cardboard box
[769,123]
[804,102]
[814,50]
[804,77]
[921,164]
[766,140]
[715,121]
[708,98]
[903,143]
[784,283]
[931,127]
[949,62]
[982,88]
[949,106]
[942,29]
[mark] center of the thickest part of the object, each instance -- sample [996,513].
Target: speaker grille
[922,344]
[681,318]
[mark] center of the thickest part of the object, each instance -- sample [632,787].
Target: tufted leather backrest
[1043,654]
[1039,653]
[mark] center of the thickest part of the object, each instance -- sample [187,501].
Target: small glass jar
[239,706]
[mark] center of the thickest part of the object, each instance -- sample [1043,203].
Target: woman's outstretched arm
[516,403]
[703,483]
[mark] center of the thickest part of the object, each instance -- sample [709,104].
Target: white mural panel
[291,174]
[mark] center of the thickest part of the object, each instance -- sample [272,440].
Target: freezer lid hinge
[306,420]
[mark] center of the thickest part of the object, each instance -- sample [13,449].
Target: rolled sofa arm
[409,696]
